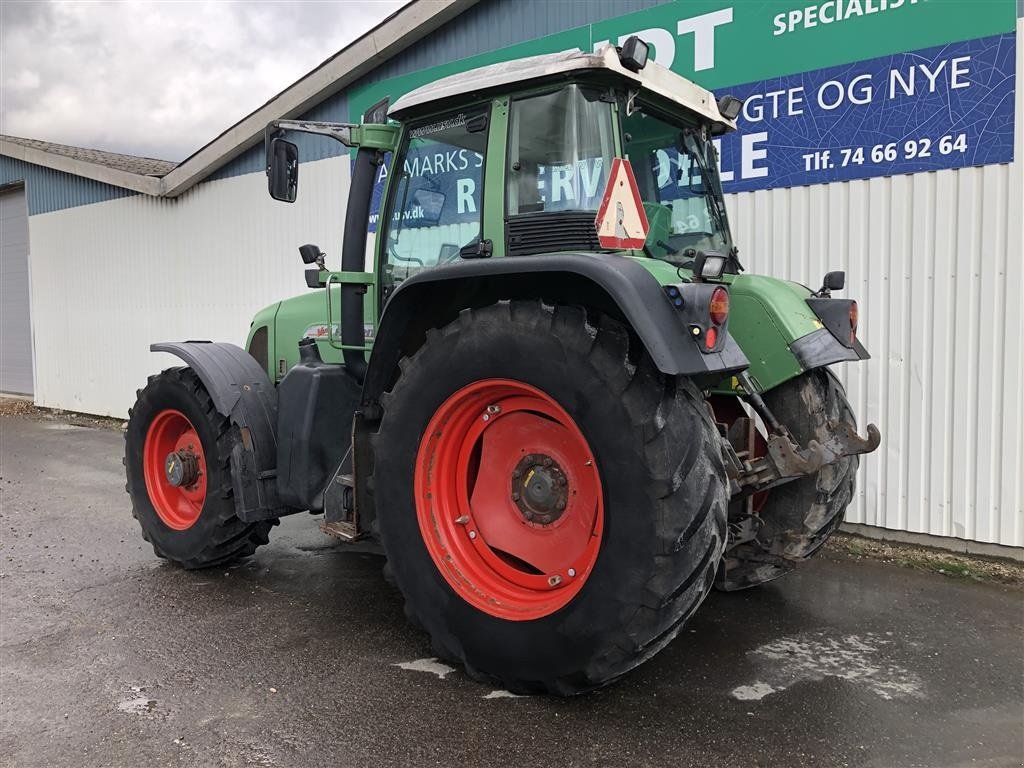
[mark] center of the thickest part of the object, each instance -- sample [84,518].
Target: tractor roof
[510,75]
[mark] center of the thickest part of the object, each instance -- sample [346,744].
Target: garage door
[15,321]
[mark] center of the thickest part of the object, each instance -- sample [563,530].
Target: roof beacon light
[633,53]
[730,107]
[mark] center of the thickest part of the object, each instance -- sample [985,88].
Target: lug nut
[515,496]
[561,503]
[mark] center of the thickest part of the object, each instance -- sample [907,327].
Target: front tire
[548,393]
[187,511]
[800,516]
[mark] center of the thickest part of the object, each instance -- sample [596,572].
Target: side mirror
[283,170]
[834,281]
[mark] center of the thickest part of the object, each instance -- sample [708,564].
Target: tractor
[541,382]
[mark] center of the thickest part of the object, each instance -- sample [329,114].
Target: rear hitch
[785,460]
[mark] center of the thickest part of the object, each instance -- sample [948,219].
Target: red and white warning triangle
[621,221]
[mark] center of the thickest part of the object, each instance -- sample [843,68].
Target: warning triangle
[621,221]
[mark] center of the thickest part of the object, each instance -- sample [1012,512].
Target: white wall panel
[935,261]
[110,278]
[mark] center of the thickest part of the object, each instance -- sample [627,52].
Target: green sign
[718,44]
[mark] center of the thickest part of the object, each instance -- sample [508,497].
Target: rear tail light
[854,318]
[718,307]
[711,338]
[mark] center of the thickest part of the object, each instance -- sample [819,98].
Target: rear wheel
[796,519]
[177,462]
[566,507]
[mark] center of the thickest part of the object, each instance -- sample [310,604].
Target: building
[882,138]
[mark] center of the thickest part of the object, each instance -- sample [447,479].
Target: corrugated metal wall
[935,261]
[51,190]
[108,279]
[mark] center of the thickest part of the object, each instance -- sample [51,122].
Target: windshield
[676,169]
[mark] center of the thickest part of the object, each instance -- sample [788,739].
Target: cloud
[160,79]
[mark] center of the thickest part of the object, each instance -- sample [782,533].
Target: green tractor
[542,384]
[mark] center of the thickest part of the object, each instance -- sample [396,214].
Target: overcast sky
[160,79]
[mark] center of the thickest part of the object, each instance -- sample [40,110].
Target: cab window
[434,206]
[560,149]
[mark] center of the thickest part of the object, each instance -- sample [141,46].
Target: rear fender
[241,391]
[777,324]
[614,284]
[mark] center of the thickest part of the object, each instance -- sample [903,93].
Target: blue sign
[950,106]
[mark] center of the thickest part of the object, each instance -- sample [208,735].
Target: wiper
[705,174]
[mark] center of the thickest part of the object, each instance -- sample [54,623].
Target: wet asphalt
[111,657]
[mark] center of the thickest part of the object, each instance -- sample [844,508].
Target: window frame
[388,199]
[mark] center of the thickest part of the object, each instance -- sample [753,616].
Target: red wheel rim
[171,433]
[509,499]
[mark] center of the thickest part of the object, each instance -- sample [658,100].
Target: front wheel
[552,507]
[177,462]
[797,518]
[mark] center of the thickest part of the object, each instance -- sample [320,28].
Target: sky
[160,79]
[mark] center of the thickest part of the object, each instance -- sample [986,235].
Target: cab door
[433,213]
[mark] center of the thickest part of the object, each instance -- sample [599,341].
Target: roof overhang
[149,185]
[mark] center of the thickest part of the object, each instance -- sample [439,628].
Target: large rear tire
[799,517]
[191,519]
[627,458]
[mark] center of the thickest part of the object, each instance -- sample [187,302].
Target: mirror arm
[341,132]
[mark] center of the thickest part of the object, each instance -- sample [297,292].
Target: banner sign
[945,107]
[833,91]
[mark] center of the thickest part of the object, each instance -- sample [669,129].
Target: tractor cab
[513,159]
[547,130]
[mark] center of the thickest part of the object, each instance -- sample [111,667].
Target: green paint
[745,49]
[494,169]
[376,136]
[265,318]
[766,315]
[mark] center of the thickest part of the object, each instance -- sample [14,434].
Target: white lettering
[465,189]
[956,71]
[750,154]
[703,29]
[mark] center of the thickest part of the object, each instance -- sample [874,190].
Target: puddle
[860,659]
[431,665]
[139,706]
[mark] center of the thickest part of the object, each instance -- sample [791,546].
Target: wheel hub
[540,489]
[181,468]
[508,499]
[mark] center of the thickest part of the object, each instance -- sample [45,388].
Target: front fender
[241,391]
[606,281]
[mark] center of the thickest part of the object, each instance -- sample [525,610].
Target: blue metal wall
[49,190]
[489,25]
